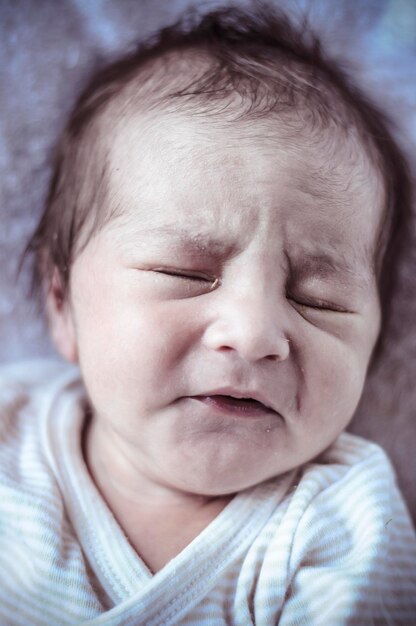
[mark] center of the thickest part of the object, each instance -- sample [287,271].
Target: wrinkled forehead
[160,156]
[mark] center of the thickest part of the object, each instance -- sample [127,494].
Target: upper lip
[240,394]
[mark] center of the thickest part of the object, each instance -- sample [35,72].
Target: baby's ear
[60,319]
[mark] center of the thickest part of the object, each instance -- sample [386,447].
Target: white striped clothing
[330,544]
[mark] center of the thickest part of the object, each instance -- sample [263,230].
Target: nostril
[282,353]
[226,349]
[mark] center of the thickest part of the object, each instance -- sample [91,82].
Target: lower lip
[235,408]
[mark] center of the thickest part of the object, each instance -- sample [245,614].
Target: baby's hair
[233,64]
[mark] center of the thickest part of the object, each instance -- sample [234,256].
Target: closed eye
[188,275]
[319,305]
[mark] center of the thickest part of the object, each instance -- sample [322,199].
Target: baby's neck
[159,524]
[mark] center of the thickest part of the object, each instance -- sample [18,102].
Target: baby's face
[240,267]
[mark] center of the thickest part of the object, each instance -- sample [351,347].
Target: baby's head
[220,233]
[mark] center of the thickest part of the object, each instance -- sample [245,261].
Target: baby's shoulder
[352,469]
[345,539]
[38,542]
[28,392]
[350,485]
[25,388]
[350,456]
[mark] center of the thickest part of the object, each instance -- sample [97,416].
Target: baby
[216,256]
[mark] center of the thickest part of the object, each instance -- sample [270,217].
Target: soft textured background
[47,50]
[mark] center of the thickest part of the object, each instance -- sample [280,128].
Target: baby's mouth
[241,407]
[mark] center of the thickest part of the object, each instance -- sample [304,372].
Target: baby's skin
[224,318]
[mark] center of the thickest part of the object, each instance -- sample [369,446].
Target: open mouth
[244,407]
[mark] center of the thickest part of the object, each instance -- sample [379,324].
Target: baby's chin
[224,464]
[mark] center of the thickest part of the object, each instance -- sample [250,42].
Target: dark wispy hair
[256,53]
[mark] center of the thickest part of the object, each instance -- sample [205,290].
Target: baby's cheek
[335,384]
[149,343]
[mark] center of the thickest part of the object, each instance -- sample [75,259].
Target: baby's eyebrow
[194,242]
[354,271]
[324,266]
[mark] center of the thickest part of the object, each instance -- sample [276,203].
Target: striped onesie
[327,544]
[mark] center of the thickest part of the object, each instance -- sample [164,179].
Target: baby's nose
[252,326]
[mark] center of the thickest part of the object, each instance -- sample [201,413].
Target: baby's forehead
[324,163]
[168,171]
[322,138]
